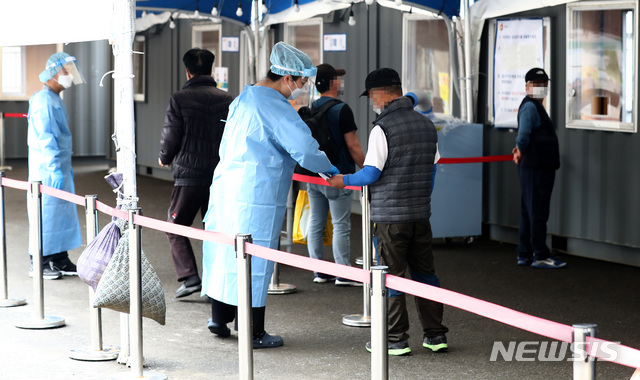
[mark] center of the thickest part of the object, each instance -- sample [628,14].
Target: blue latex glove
[56,179]
[333,171]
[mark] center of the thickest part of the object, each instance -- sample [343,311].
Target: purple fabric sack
[94,259]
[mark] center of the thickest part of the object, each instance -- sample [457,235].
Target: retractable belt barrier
[626,356]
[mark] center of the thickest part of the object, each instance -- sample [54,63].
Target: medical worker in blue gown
[49,141]
[262,141]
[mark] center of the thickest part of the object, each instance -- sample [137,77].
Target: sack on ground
[96,256]
[301,221]
[113,291]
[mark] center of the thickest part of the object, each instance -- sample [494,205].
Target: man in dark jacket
[537,155]
[398,168]
[193,127]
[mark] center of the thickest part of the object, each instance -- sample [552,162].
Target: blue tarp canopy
[228,8]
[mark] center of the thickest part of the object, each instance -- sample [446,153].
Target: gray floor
[317,344]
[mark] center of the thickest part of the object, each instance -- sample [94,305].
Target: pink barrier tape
[176,229]
[312,265]
[602,349]
[318,181]
[61,194]
[613,352]
[15,184]
[490,310]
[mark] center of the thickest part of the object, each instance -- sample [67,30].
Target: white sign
[335,42]
[231,44]
[519,48]
[221,76]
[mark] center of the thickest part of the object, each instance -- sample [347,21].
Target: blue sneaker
[549,263]
[525,261]
[394,348]
[435,343]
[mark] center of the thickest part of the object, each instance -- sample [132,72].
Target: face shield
[64,65]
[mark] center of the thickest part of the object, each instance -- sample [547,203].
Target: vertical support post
[275,287]
[468,94]
[136,358]
[39,320]
[379,352]
[4,283]
[2,167]
[135,291]
[584,366]
[364,320]
[245,333]
[96,352]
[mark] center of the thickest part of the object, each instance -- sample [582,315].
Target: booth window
[20,67]
[139,70]
[602,64]
[208,37]
[307,36]
[426,68]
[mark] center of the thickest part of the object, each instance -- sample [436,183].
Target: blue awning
[228,8]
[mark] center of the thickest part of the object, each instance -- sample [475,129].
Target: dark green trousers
[406,249]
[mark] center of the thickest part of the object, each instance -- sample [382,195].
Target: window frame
[209,27]
[141,96]
[603,125]
[28,80]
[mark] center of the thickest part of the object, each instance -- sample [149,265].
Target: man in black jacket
[193,127]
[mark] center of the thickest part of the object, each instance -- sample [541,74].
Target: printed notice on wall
[519,48]
[335,42]
[221,76]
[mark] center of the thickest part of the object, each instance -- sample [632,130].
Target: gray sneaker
[394,348]
[48,273]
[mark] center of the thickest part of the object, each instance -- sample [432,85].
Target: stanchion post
[584,366]
[136,357]
[275,287]
[379,353]
[364,320]
[245,334]
[5,301]
[96,352]
[39,320]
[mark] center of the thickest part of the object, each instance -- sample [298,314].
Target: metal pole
[275,287]
[584,366]
[96,352]
[364,320]
[39,321]
[136,358]
[5,301]
[135,289]
[379,352]
[2,150]
[245,333]
[467,62]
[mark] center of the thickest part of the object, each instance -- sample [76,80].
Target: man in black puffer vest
[398,167]
[193,127]
[537,156]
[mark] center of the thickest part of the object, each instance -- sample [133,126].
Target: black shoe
[185,290]
[220,330]
[64,266]
[267,341]
[436,343]
[47,273]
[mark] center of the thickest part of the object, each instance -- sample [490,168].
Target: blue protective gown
[262,140]
[49,141]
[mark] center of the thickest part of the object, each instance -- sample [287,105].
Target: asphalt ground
[317,344]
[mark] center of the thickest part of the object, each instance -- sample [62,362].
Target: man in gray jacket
[193,127]
[398,168]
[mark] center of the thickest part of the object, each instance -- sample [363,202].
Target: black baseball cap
[381,78]
[536,74]
[325,74]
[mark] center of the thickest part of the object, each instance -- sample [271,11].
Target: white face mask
[65,81]
[378,111]
[539,92]
[297,92]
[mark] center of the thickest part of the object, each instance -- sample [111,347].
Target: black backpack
[318,122]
